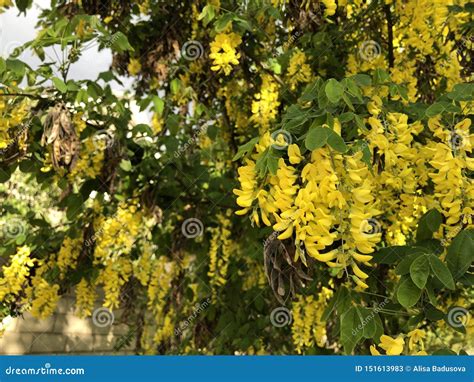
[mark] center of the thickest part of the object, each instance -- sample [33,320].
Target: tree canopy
[304,184]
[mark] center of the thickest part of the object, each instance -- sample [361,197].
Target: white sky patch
[17,29]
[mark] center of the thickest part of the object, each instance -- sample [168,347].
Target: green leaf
[381,76]
[59,84]
[245,148]
[461,253]
[159,105]
[362,79]
[368,323]
[126,165]
[222,22]
[334,90]
[404,267]
[432,313]
[74,203]
[311,91]
[428,224]
[119,42]
[435,109]
[390,255]
[336,142]
[441,271]
[350,335]
[317,137]
[339,298]
[23,5]
[419,271]
[444,351]
[346,117]
[16,66]
[408,293]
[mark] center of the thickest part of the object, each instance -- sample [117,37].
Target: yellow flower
[224,53]
[294,154]
[373,350]
[298,70]
[265,106]
[330,7]
[392,346]
[416,336]
[134,67]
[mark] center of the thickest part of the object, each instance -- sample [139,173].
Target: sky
[17,29]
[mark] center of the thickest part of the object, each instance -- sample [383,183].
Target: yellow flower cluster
[142,267]
[308,329]
[68,254]
[392,346]
[159,285]
[395,346]
[91,158]
[16,274]
[113,277]
[265,105]
[298,70]
[5,4]
[332,198]
[116,234]
[421,31]
[115,238]
[85,298]
[331,7]
[10,116]
[221,247]
[44,297]
[224,52]
[134,67]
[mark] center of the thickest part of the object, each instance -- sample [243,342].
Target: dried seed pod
[60,135]
[281,271]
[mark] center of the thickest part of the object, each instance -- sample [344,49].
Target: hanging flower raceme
[224,52]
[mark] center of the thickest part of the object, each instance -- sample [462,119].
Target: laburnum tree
[304,184]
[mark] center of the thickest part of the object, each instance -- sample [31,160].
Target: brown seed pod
[60,136]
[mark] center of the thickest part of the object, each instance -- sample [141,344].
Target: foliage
[344,129]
